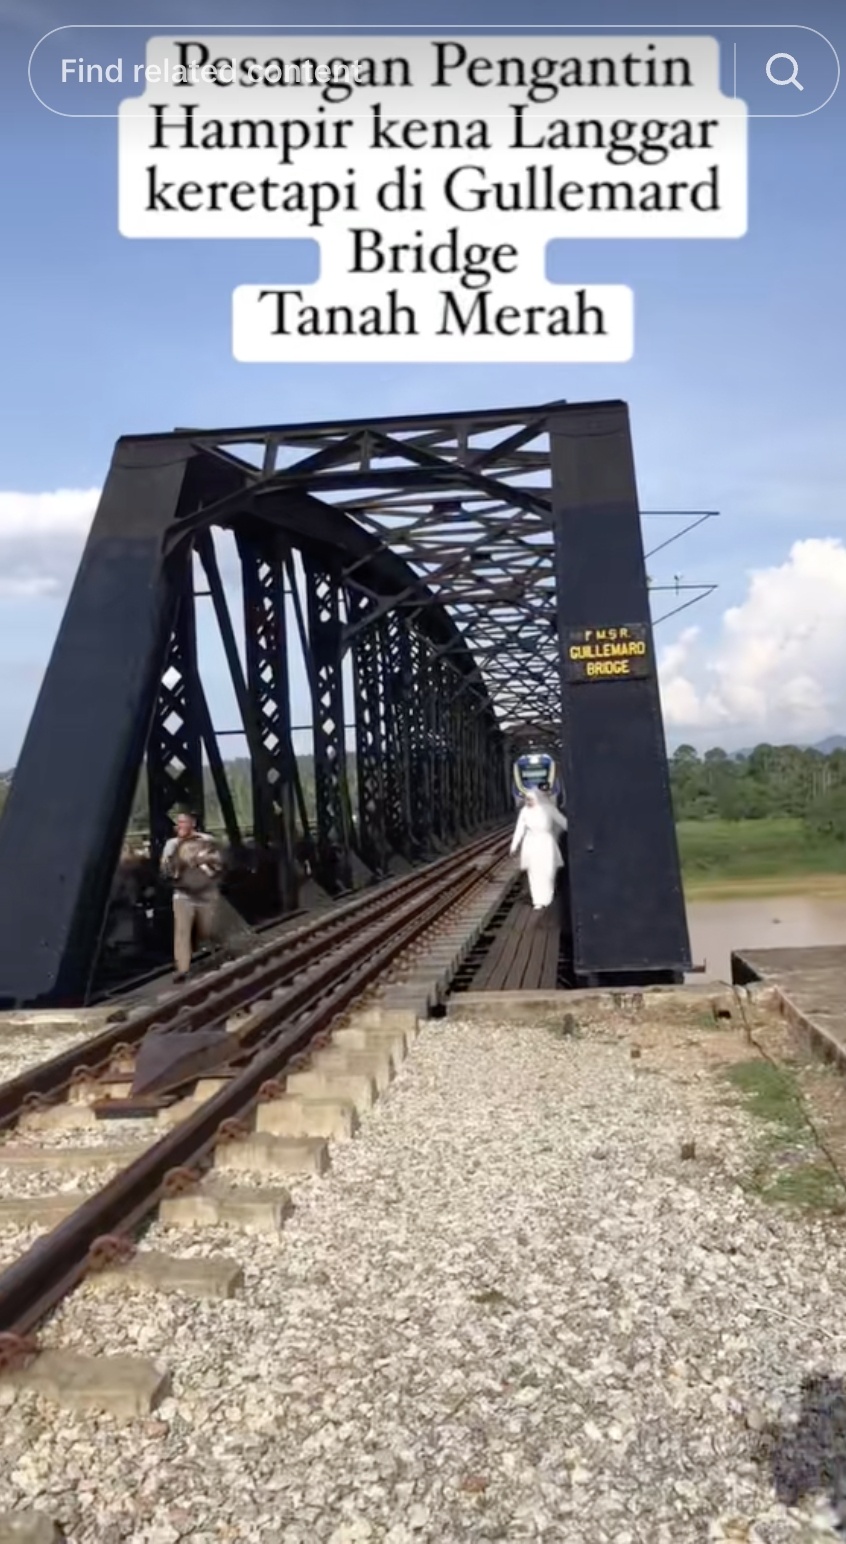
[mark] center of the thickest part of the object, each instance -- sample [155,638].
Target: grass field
[758,856]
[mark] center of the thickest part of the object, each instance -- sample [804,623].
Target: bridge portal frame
[435,551]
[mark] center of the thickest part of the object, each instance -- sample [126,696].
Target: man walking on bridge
[194,863]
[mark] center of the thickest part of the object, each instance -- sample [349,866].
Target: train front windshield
[534,777]
[535,773]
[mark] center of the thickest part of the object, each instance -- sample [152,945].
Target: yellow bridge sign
[607,653]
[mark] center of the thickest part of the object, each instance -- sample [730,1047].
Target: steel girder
[396,684]
[430,550]
[627,906]
[334,815]
[370,742]
[277,796]
[123,688]
[175,745]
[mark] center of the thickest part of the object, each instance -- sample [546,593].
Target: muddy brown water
[760,922]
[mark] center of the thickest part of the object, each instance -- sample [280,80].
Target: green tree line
[772,781]
[239,779]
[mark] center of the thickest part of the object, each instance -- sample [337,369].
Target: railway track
[246,1072]
[233,988]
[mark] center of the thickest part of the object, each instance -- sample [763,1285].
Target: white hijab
[538,812]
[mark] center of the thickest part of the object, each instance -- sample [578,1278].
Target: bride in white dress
[540,856]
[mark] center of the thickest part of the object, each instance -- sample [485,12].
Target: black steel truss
[465,501]
[175,746]
[334,816]
[277,795]
[414,557]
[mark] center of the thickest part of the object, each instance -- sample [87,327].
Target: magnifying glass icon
[787,80]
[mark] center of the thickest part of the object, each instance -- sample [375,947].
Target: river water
[763,922]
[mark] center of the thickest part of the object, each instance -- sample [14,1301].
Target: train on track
[536,771]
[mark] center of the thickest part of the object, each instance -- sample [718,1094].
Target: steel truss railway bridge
[420,581]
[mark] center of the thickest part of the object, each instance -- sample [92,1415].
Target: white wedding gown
[540,855]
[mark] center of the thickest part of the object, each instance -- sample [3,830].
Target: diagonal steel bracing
[411,565]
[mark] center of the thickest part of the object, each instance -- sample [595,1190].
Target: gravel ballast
[23,1046]
[512,1310]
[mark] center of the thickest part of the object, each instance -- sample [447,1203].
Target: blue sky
[736,389]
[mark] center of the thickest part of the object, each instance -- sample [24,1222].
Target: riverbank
[814,886]
[725,859]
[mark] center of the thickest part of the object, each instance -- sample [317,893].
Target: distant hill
[835,742]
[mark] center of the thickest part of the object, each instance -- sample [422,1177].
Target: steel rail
[231,987]
[33,1285]
[123,986]
[199,991]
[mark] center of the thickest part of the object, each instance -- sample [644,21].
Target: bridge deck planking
[524,953]
[811,983]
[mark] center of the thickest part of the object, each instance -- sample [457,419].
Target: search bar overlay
[87,70]
[784,80]
[780,72]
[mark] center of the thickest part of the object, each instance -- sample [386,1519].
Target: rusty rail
[40,1279]
[232,987]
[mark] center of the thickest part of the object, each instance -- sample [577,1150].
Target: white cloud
[41,540]
[42,536]
[778,670]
